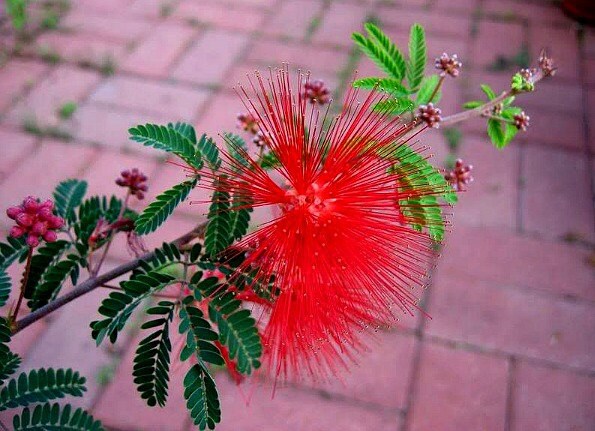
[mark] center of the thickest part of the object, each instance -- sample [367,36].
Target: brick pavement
[510,343]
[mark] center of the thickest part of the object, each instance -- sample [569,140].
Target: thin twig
[14,315]
[436,89]
[95,281]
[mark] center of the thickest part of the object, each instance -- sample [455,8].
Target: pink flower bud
[56,222]
[45,214]
[30,205]
[47,204]
[50,236]
[16,232]
[32,240]
[25,220]
[39,228]
[13,212]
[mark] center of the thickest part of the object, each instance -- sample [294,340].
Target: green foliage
[218,234]
[159,210]
[424,95]
[237,330]
[269,161]
[40,386]
[53,279]
[9,364]
[163,257]
[53,417]
[395,106]
[236,148]
[67,110]
[387,85]
[202,399]
[199,335]
[11,250]
[520,84]
[239,216]
[119,305]
[453,136]
[417,57]
[5,287]
[173,138]
[42,261]
[379,48]
[68,196]
[89,213]
[152,357]
[17,11]
[209,151]
[488,91]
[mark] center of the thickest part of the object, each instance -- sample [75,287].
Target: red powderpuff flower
[339,251]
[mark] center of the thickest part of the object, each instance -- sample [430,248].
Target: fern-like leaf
[9,364]
[5,287]
[417,57]
[158,211]
[209,151]
[239,216]
[202,399]
[53,417]
[217,233]
[118,306]
[394,106]
[386,85]
[13,249]
[236,148]
[168,138]
[199,335]
[68,195]
[40,386]
[46,256]
[53,280]
[152,357]
[185,129]
[382,51]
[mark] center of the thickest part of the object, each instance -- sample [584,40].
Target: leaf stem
[95,281]
[15,314]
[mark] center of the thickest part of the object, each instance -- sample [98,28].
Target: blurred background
[511,340]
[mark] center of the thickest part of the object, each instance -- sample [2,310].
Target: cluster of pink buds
[527,74]
[316,92]
[260,139]
[247,122]
[135,181]
[35,220]
[430,115]
[449,65]
[460,176]
[546,64]
[521,121]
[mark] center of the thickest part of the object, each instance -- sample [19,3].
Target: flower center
[314,201]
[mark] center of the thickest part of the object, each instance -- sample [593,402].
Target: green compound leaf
[13,249]
[68,196]
[237,149]
[473,104]
[386,85]
[426,89]
[9,364]
[185,129]
[218,234]
[164,205]
[199,335]
[497,133]
[53,279]
[520,84]
[239,216]
[53,417]
[381,51]
[237,330]
[173,139]
[118,306]
[41,385]
[202,399]
[5,287]
[152,357]
[90,212]
[209,151]
[417,57]
[46,256]
[395,106]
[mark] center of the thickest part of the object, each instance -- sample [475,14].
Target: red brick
[554,128]
[24,341]
[491,200]
[220,48]
[547,399]
[391,355]
[106,6]
[589,65]
[498,256]
[121,406]
[117,27]
[553,204]
[459,6]
[80,48]
[220,115]
[434,23]
[157,98]
[15,77]
[458,390]
[55,161]
[561,44]
[487,46]
[315,59]
[168,40]
[339,22]
[222,15]
[152,9]
[293,409]
[107,126]
[15,147]
[517,321]
[536,14]
[64,84]
[293,18]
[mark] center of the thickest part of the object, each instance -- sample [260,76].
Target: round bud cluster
[35,220]
[247,122]
[430,115]
[449,65]
[527,74]
[316,92]
[521,121]
[135,181]
[460,176]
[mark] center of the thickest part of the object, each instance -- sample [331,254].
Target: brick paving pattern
[510,343]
